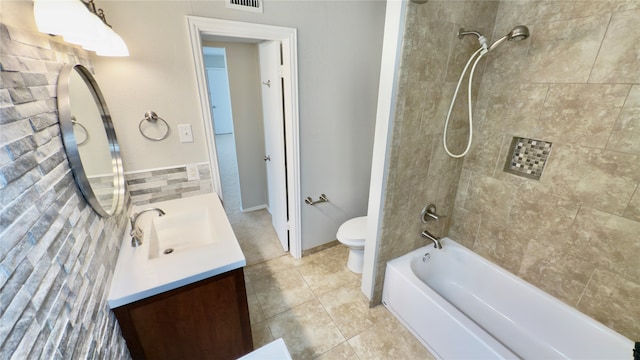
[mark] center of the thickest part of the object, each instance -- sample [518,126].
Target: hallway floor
[314,303]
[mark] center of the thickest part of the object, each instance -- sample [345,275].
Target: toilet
[352,234]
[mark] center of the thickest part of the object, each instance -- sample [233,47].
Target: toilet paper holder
[323,198]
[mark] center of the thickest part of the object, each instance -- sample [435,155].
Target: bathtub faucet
[436,242]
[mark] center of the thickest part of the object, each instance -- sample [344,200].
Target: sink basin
[198,241]
[176,233]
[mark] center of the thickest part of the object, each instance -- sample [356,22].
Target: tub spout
[436,242]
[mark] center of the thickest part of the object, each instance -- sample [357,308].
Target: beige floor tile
[327,270]
[350,310]
[255,310]
[269,267]
[343,351]
[261,334]
[307,330]
[281,291]
[388,340]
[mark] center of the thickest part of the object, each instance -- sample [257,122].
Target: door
[273,115]
[220,100]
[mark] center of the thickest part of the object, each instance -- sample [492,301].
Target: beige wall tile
[585,8]
[633,209]
[609,241]
[464,226]
[501,244]
[490,197]
[581,114]
[564,51]
[626,132]
[620,295]
[597,178]
[547,265]
[619,50]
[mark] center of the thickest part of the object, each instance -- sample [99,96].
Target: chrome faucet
[436,242]
[136,233]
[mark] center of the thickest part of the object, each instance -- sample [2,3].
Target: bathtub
[461,306]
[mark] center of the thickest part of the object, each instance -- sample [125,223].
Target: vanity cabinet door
[205,320]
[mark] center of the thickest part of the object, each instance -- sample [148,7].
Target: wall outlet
[192,172]
[186,135]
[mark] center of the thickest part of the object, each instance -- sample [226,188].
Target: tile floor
[313,303]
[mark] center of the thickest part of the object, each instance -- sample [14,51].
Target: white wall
[246,104]
[339,48]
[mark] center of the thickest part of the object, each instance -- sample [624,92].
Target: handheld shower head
[518,33]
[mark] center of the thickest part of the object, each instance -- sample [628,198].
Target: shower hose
[483,50]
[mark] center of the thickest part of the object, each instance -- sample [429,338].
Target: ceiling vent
[245,5]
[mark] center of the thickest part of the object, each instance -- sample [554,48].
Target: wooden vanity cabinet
[208,319]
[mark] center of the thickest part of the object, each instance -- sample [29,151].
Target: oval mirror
[90,140]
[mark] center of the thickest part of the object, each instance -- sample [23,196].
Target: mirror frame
[71,146]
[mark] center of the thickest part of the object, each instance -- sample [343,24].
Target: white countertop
[275,350]
[138,276]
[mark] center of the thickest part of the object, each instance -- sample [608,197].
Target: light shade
[72,20]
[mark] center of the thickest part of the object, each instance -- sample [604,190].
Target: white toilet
[352,234]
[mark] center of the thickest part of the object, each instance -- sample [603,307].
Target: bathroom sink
[176,233]
[193,241]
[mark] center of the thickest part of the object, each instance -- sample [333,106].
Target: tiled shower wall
[575,82]
[420,171]
[56,254]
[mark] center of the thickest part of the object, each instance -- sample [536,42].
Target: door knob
[267,158]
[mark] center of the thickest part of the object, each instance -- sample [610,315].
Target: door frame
[199,26]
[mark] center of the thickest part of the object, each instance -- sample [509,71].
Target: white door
[220,100]
[273,116]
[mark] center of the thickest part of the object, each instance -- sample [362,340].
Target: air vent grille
[245,5]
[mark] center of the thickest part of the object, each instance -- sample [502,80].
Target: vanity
[181,293]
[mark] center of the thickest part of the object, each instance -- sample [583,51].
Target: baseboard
[255,208]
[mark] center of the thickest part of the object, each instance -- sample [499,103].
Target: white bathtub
[461,306]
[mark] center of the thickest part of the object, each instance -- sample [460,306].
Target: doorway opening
[278,90]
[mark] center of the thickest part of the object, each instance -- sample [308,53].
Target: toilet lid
[353,230]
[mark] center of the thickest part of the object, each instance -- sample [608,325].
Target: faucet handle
[428,213]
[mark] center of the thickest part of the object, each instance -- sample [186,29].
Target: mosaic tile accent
[528,157]
[152,186]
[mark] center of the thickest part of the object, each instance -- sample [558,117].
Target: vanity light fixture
[80,23]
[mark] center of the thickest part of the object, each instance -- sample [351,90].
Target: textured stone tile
[581,114]
[633,209]
[343,351]
[620,295]
[43,120]
[307,330]
[548,265]
[564,51]
[5,98]
[585,8]
[11,212]
[282,291]
[269,267]
[350,310]
[607,240]
[490,197]
[597,178]
[327,275]
[464,226]
[21,147]
[261,334]
[501,244]
[388,340]
[539,213]
[532,12]
[626,132]
[619,50]
[10,80]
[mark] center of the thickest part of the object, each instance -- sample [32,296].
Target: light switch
[186,135]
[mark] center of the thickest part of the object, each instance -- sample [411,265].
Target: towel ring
[79,140]
[153,118]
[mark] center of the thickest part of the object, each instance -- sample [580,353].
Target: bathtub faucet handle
[428,213]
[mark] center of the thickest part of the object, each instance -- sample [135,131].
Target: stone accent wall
[56,255]
[575,83]
[152,186]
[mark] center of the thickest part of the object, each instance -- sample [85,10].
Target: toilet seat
[353,232]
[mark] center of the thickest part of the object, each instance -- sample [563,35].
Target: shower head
[518,33]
